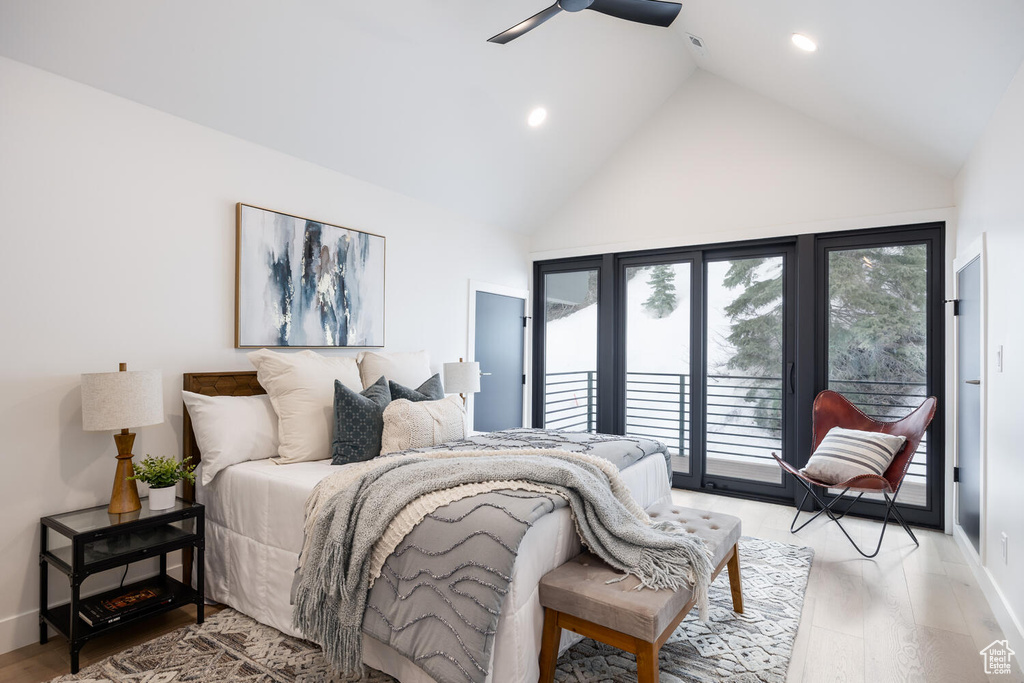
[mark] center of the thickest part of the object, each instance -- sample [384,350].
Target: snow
[653,345]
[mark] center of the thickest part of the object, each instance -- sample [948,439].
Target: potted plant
[162,474]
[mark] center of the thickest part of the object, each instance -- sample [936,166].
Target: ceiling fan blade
[524,26]
[653,12]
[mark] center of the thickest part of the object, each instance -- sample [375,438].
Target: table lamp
[462,378]
[119,400]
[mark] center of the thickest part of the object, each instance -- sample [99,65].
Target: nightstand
[98,541]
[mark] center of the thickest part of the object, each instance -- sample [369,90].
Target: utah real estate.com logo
[998,657]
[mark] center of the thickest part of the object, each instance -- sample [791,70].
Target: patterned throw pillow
[847,453]
[358,422]
[426,423]
[431,390]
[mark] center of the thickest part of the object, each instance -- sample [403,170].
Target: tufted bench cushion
[720,532]
[578,587]
[576,595]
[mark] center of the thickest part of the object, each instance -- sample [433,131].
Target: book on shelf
[113,606]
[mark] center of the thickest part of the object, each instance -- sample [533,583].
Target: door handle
[485,374]
[972,381]
[790,368]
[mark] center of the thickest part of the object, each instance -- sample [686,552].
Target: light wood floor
[909,615]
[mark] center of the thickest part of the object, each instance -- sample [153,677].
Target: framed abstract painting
[304,283]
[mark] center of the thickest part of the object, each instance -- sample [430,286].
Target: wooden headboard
[240,383]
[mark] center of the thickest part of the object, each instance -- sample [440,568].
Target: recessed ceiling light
[537,117]
[804,43]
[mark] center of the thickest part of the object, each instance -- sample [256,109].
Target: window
[744,386]
[658,350]
[570,350]
[877,341]
[719,351]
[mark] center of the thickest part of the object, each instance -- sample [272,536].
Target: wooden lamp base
[125,495]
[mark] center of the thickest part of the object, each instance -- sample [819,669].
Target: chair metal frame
[832,409]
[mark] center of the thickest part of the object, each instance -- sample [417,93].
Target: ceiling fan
[652,12]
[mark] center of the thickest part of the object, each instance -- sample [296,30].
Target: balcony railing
[744,417]
[570,401]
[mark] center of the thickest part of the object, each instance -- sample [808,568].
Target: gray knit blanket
[336,567]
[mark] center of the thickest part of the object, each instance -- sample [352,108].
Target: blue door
[499,348]
[968,437]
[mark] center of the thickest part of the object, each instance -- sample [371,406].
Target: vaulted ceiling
[917,77]
[408,94]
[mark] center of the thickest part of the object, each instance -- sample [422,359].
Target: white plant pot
[161,499]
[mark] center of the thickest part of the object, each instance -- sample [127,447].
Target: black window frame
[605,347]
[933,236]
[805,282]
[786,488]
[662,257]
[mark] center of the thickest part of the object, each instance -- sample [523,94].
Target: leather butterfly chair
[832,409]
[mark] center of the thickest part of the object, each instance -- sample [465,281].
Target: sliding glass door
[877,340]
[569,350]
[658,330]
[747,369]
[719,351]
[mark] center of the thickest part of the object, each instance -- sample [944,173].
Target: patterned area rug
[754,647]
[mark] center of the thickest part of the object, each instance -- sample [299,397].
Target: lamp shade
[119,400]
[461,378]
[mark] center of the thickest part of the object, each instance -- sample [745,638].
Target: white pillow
[301,387]
[231,429]
[419,424]
[410,368]
[847,453]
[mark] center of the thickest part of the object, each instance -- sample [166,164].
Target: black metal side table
[100,541]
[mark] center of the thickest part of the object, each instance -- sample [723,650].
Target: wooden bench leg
[646,662]
[549,645]
[735,584]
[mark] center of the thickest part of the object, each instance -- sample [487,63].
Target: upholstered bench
[576,596]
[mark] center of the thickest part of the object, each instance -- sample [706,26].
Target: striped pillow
[847,453]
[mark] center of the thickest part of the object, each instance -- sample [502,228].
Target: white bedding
[254,519]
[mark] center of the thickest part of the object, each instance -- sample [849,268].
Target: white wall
[118,245]
[990,200]
[718,162]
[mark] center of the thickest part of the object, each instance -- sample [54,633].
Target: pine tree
[755,334]
[663,291]
[756,316]
[878,315]
[876,322]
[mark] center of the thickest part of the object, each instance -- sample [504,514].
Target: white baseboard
[1008,622]
[20,630]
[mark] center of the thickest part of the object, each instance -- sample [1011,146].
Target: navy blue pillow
[358,422]
[431,390]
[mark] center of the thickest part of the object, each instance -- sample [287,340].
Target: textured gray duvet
[438,597]
[439,594]
[621,451]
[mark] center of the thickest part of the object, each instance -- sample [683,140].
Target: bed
[254,517]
